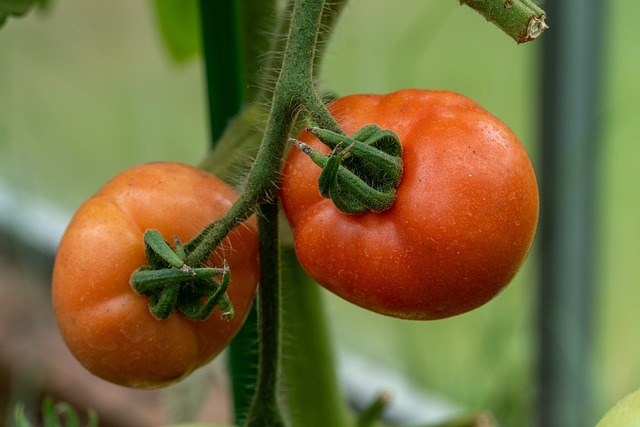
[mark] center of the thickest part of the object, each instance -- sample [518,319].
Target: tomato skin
[105,324]
[464,218]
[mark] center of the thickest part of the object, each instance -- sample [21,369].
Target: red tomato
[106,325]
[462,223]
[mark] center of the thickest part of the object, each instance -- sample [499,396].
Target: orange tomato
[105,324]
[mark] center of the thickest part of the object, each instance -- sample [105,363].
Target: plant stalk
[262,190]
[242,137]
[293,91]
[265,409]
[233,34]
[294,86]
[523,20]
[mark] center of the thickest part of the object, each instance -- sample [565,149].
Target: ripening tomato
[625,413]
[462,223]
[106,325]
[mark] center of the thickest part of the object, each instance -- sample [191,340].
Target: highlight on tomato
[107,325]
[460,226]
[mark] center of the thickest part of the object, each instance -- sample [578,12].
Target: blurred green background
[87,89]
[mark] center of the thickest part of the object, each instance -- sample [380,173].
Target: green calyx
[172,285]
[362,172]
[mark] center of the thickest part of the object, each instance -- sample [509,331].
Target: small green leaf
[13,7]
[49,416]
[179,24]
[156,247]
[180,251]
[54,414]
[191,305]
[69,414]
[199,425]
[163,303]
[329,176]
[44,4]
[145,281]
[362,172]
[19,416]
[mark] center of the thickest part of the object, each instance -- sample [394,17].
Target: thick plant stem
[523,20]
[294,86]
[265,409]
[242,137]
[262,185]
[255,20]
[230,36]
[309,357]
[243,365]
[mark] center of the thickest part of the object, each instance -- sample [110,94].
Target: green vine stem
[241,141]
[308,367]
[292,92]
[265,409]
[293,89]
[242,25]
[243,366]
[241,31]
[243,135]
[523,20]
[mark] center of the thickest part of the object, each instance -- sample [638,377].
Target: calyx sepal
[172,285]
[362,171]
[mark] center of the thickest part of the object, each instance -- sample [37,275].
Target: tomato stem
[523,20]
[242,136]
[294,91]
[265,409]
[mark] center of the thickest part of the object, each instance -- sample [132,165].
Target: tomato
[626,412]
[105,324]
[462,223]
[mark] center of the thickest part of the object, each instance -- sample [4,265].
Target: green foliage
[199,425]
[59,414]
[19,8]
[178,21]
[13,7]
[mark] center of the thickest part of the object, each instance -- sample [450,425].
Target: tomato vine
[293,91]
